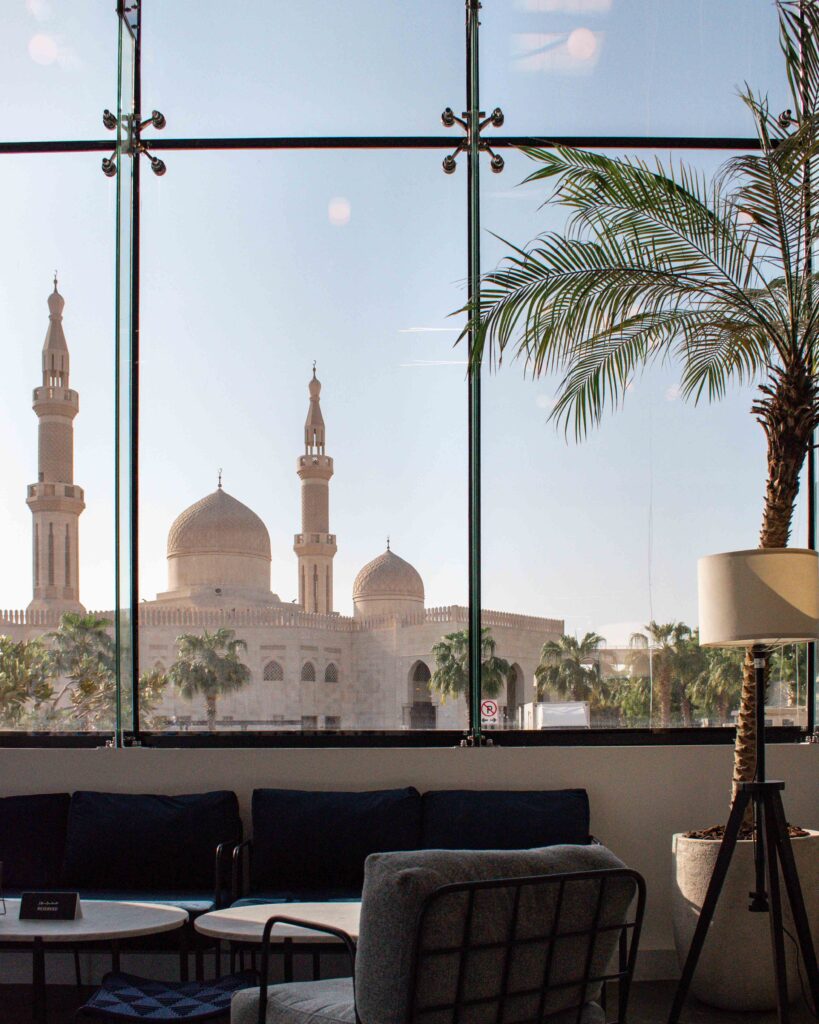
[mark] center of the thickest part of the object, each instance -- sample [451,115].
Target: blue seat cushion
[32,840]
[306,840]
[299,896]
[147,842]
[193,902]
[128,997]
[465,819]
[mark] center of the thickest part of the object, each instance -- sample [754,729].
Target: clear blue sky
[254,264]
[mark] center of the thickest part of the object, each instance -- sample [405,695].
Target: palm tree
[657,657]
[209,665]
[719,686]
[25,676]
[451,675]
[83,651]
[570,668]
[657,263]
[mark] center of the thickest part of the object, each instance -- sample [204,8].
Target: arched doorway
[422,712]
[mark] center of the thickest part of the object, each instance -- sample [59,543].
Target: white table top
[101,919]
[246,924]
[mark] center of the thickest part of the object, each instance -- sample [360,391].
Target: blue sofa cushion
[147,843]
[465,819]
[32,839]
[200,902]
[334,895]
[318,840]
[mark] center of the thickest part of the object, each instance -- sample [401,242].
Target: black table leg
[38,1002]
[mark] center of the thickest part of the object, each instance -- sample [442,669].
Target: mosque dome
[388,585]
[219,553]
[218,523]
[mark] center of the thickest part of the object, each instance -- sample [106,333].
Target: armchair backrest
[493,936]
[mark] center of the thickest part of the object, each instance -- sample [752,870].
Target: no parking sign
[489,712]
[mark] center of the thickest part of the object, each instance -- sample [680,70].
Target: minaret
[55,501]
[315,546]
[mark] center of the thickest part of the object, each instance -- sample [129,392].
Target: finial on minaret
[314,369]
[55,280]
[388,542]
[220,478]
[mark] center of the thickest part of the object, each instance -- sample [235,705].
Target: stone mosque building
[312,668]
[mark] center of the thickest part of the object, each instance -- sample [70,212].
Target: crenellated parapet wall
[285,617]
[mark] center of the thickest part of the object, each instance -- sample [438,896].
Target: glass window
[56,413]
[284,69]
[602,67]
[592,545]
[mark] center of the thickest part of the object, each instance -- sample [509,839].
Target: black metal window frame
[131,13]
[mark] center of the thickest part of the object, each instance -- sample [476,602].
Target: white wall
[639,796]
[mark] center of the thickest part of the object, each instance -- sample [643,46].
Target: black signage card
[50,906]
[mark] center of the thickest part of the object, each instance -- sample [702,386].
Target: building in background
[311,668]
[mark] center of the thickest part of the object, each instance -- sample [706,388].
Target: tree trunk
[787,412]
[687,716]
[211,709]
[663,698]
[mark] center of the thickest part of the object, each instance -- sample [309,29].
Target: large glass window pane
[601,538]
[57,553]
[320,521]
[58,71]
[604,67]
[322,68]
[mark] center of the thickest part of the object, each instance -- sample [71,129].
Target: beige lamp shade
[762,596]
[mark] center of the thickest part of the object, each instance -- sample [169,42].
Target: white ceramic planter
[735,970]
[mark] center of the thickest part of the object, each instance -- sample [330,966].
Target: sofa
[124,846]
[311,846]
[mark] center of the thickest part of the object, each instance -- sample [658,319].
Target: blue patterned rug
[128,997]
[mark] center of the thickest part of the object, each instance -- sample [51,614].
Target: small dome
[386,577]
[219,524]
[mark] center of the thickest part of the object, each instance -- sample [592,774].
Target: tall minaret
[315,546]
[55,501]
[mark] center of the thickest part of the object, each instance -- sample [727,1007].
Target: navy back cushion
[311,840]
[32,839]
[465,819]
[148,842]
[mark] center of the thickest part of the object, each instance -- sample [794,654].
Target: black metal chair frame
[628,939]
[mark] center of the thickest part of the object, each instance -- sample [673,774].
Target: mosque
[311,668]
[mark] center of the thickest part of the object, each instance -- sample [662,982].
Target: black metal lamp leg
[777,935]
[709,904]
[781,846]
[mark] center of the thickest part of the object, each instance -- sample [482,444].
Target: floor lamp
[759,599]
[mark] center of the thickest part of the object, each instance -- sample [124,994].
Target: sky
[256,263]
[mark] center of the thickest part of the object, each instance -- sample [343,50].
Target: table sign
[50,906]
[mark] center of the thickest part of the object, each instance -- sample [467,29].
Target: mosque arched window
[331,673]
[273,672]
[308,672]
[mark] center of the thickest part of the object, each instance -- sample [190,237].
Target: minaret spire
[56,502]
[315,546]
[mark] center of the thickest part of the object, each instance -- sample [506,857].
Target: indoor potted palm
[658,263]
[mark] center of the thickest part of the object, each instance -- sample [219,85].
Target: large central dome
[219,553]
[219,523]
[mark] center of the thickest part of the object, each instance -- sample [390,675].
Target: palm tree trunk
[787,412]
[211,709]
[687,716]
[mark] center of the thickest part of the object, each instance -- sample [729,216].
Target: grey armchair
[462,937]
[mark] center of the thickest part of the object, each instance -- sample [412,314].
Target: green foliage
[25,675]
[209,666]
[451,675]
[82,652]
[570,669]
